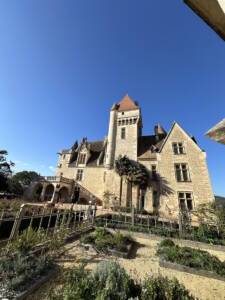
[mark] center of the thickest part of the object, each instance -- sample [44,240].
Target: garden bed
[190,260]
[101,240]
[108,280]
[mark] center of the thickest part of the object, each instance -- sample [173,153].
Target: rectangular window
[79,175]
[154,173]
[123,133]
[82,159]
[185,201]
[182,173]
[64,156]
[178,148]
[59,165]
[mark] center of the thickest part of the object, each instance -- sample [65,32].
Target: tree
[15,187]
[134,173]
[121,167]
[137,175]
[26,177]
[212,213]
[5,170]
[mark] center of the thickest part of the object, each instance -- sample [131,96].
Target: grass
[193,258]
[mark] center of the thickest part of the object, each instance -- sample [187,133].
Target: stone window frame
[80,175]
[181,169]
[186,199]
[123,133]
[82,158]
[178,146]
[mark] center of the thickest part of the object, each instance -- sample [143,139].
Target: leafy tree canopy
[26,177]
[134,172]
[5,167]
[5,170]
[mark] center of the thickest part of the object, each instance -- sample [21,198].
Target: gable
[176,128]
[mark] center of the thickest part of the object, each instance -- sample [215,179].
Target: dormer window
[82,159]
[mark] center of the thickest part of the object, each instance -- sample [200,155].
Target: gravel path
[143,262]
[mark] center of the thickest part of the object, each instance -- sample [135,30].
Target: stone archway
[49,192]
[36,192]
[63,195]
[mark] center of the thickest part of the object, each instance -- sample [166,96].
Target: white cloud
[52,169]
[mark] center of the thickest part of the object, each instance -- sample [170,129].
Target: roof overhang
[212,12]
[217,133]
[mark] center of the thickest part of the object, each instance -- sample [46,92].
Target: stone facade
[91,164]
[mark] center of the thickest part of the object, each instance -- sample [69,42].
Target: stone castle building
[179,177]
[178,173]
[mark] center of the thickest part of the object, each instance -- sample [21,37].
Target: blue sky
[63,64]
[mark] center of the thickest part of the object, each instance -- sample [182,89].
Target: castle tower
[110,153]
[125,127]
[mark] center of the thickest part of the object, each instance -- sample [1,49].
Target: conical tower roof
[127,104]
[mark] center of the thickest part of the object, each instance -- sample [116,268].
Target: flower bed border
[178,267]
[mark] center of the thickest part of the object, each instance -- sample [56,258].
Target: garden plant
[109,281]
[190,257]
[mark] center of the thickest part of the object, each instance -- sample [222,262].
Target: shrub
[104,240]
[109,281]
[193,258]
[19,270]
[112,282]
[76,284]
[26,241]
[167,243]
[164,289]
[87,239]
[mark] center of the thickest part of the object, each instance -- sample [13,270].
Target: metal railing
[45,218]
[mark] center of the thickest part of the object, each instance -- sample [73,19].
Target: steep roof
[97,146]
[148,145]
[127,104]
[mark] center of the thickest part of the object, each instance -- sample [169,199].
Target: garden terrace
[143,263]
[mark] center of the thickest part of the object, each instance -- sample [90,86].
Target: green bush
[76,284]
[87,239]
[17,271]
[109,281]
[162,288]
[193,258]
[112,282]
[26,241]
[104,240]
[167,243]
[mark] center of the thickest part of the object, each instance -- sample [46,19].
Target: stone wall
[199,185]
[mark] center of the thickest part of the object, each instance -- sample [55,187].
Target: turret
[110,152]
